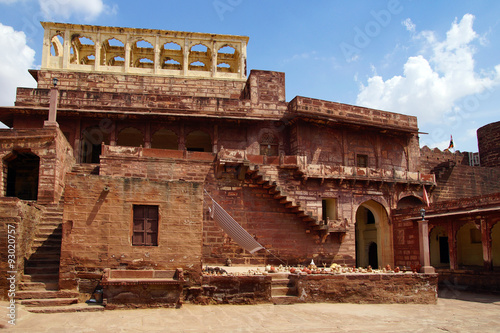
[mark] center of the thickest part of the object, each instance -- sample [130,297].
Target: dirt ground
[456,311]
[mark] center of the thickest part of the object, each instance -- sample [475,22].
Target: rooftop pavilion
[85,48]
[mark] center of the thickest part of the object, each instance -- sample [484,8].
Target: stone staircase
[266,181]
[39,287]
[86,169]
[284,289]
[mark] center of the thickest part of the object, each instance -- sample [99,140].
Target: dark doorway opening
[373,255]
[444,250]
[22,175]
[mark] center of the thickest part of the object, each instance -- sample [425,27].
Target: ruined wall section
[56,158]
[18,222]
[97,228]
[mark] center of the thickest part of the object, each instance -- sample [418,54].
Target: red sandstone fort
[110,164]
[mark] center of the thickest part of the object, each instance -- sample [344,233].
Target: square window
[145,226]
[361,161]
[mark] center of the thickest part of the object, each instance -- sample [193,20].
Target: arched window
[113,53]
[199,141]
[82,50]
[269,145]
[165,139]
[200,58]
[130,137]
[142,54]
[227,59]
[22,175]
[56,47]
[172,56]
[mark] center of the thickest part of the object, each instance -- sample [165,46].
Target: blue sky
[435,60]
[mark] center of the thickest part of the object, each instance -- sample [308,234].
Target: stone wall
[23,218]
[232,290]
[488,138]
[463,181]
[155,164]
[97,228]
[137,84]
[369,288]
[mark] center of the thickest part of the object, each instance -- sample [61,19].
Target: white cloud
[430,88]
[15,60]
[86,10]
[410,26]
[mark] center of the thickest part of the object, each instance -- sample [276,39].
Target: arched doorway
[469,246]
[165,139]
[495,245]
[199,141]
[22,175]
[130,137]
[439,248]
[373,236]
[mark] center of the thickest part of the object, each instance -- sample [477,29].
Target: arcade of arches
[93,137]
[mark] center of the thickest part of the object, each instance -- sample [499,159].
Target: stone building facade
[128,130]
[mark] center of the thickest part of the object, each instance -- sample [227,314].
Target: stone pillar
[486,242]
[147,136]
[452,244]
[243,61]
[157,48]
[214,59]
[66,49]
[97,63]
[54,98]
[425,258]
[127,54]
[185,64]
[182,139]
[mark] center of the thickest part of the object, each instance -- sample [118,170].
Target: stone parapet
[357,115]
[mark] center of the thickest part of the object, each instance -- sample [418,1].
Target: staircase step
[79,307]
[43,294]
[47,286]
[281,291]
[53,269]
[286,300]
[49,301]
[280,282]
[41,277]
